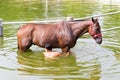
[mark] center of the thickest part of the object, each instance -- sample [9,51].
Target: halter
[97,35]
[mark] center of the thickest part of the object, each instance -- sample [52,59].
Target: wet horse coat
[59,35]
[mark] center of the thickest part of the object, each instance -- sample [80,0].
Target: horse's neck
[80,28]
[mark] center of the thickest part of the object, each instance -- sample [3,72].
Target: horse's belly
[41,42]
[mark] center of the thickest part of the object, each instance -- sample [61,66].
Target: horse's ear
[93,20]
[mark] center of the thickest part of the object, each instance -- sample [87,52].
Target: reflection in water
[105,58]
[34,63]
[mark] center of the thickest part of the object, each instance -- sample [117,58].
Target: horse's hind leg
[24,44]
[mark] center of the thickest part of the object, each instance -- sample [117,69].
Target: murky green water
[90,60]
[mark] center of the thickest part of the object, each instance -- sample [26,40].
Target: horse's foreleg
[66,51]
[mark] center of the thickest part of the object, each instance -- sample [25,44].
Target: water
[89,61]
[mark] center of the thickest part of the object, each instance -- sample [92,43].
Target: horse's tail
[24,37]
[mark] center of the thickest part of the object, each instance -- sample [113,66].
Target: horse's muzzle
[98,40]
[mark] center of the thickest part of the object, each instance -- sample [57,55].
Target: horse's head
[95,31]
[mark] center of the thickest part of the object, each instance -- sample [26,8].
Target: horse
[63,34]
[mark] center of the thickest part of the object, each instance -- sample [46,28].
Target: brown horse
[59,35]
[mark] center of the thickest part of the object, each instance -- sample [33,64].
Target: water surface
[89,61]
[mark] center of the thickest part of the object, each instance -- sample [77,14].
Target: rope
[98,15]
[111,29]
[25,22]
